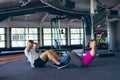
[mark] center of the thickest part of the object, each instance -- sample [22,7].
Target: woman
[89,56]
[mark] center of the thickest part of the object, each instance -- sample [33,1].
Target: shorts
[39,63]
[77,60]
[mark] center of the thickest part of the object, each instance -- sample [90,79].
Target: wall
[118,38]
[4,23]
[114,36]
[17,23]
[14,23]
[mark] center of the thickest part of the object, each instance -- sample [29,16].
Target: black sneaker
[61,65]
[54,65]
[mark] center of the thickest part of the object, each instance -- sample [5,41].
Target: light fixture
[98,26]
[24,2]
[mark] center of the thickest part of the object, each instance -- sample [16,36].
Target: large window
[57,34]
[76,36]
[47,36]
[19,36]
[2,37]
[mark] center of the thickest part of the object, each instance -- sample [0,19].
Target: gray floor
[105,68]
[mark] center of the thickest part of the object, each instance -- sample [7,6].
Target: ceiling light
[98,26]
[24,2]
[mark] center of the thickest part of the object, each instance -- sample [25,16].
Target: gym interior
[61,25]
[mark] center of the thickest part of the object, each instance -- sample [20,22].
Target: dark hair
[31,41]
[92,40]
[88,45]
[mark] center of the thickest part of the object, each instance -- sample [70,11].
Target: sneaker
[54,65]
[61,65]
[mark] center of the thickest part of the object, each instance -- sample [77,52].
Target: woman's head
[92,43]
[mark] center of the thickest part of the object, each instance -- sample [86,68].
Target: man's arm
[28,47]
[36,45]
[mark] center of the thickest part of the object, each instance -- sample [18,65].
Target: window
[2,37]
[76,36]
[61,39]
[47,36]
[19,36]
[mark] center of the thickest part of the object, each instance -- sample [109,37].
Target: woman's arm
[93,48]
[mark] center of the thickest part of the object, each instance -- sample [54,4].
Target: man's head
[30,43]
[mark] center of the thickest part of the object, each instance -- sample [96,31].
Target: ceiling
[45,10]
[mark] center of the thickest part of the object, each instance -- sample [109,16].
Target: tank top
[87,59]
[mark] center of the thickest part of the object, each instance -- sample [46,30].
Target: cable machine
[56,32]
[93,8]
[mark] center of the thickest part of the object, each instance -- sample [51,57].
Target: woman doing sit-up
[89,55]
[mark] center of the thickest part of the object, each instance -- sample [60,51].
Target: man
[89,56]
[38,60]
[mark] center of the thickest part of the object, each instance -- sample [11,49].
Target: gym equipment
[56,35]
[56,39]
[84,35]
[93,8]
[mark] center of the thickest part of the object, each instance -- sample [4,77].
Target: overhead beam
[117,7]
[43,17]
[70,21]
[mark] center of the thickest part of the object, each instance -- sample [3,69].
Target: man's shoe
[61,65]
[54,65]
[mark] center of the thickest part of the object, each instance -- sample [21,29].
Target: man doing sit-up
[40,59]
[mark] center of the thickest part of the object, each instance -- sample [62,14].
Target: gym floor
[10,58]
[102,68]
